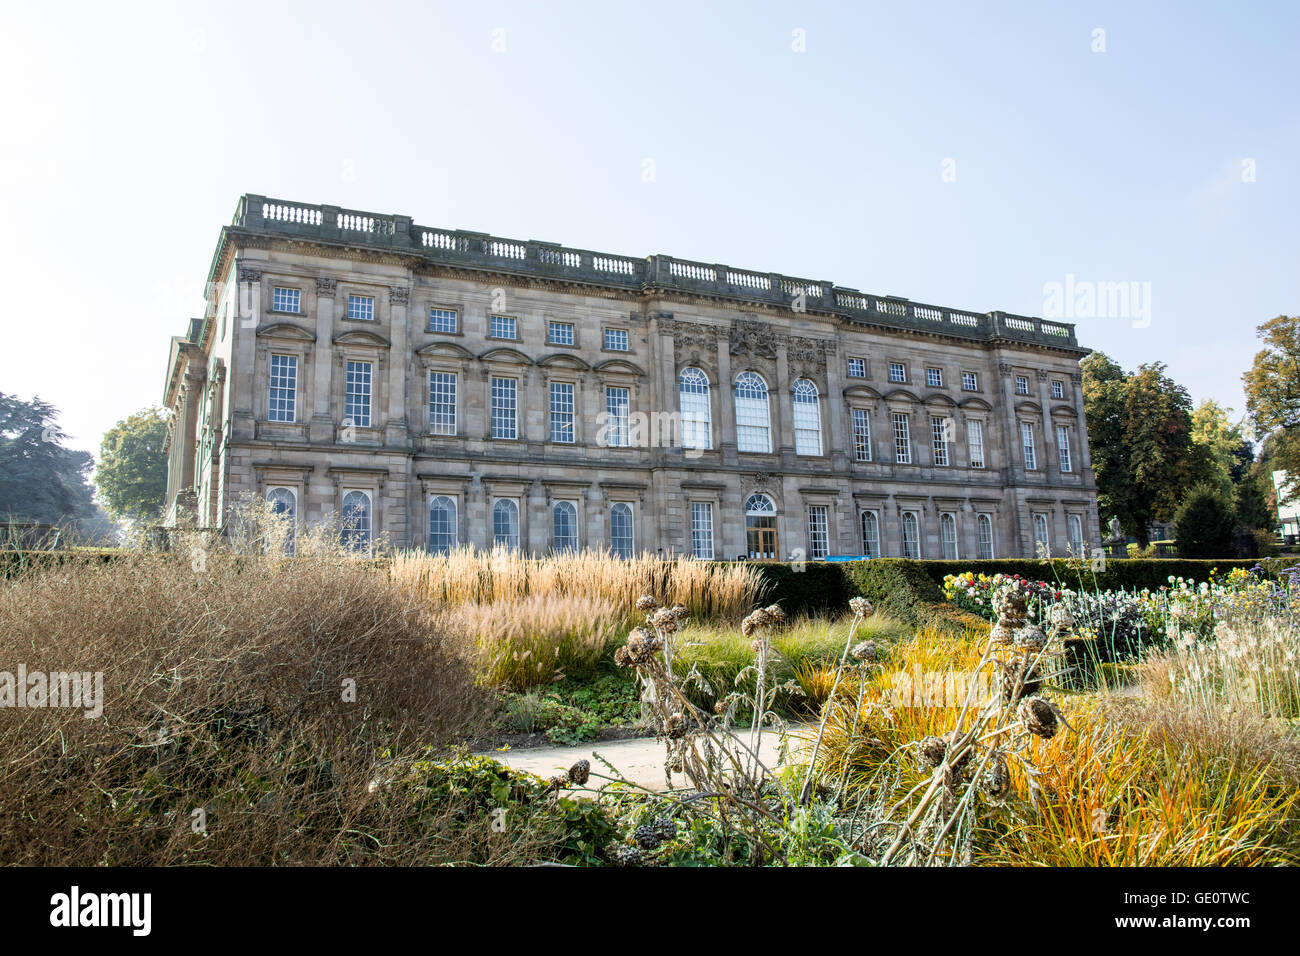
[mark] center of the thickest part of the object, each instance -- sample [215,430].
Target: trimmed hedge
[1121,573]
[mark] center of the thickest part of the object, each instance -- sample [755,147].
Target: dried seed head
[1002,634]
[1038,717]
[681,612]
[621,657]
[932,750]
[1020,678]
[1031,637]
[865,652]
[996,781]
[676,726]
[860,606]
[775,616]
[665,620]
[580,772]
[646,602]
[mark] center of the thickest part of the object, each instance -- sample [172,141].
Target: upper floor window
[807,419]
[283,396]
[857,368]
[975,443]
[934,377]
[356,404]
[1063,447]
[442,403]
[1058,390]
[617,406]
[505,524]
[355,525]
[1022,385]
[559,333]
[361,307]
[861,435]
[442,524]
[442,320]
[902,439]
[897,372]
[693,396]
[1027,440]
[562,412]
[970,381]
[502,327]
[616,340]
[620,529]
[753,423]
[939,438]
[505,406]
[286,300]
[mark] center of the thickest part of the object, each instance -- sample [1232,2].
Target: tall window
[616,340]
[807,419]
[1027,440]
[559,333]
[442,320]
[564,526]
[984,525]
[902,439]
[355,529]
[501,327]
[442,403]
[283,397]
[505,524]
[818,532]
[753,423]
[870,534]
[948,535]
[1058,390]
[442,524]
[911,535]
[1063,447]
[361,307]
[760,527]
[620,529]
[505,406]
[975,442]
[702,529]
[1075,523]
[861,435]
[356,405]
[562,412]
[617,405]
[939,439]
[693,396]
[897,372]
[284,505]
[1042,543]
[286,300]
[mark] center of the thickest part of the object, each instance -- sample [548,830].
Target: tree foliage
[132,472]
[1205,524]
[40,480]
[1273,395]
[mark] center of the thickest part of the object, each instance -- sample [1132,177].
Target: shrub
[1204,524]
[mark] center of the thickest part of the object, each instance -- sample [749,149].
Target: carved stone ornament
[326,287]
[693,335]
[399,295]
[249,274]
[751,337]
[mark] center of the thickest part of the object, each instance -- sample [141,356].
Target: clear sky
[960,154]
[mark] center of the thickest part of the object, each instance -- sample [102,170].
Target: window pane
[902,439]
[356,405]
[560,333]
[286,300]
[807,419]
[818,533]
[616,340]
[939,439]
[693,392]
[562,412]
[361,307]
[501,327]
[861,435]
[948,536]
[985,525]
[505,523]
[897,372]
[752,420]
[442,403]
[975,443]
[857,368]
[442,320]
[870,534]
[1063,447]
[504,406]
[442,524]
[617,406]
[1041,542]
[283,396]
[1076,536]
[934,377]
[620,529]
[702,529]
[969,381]
[356,521]
[1027,439]
[284,505]
[564,518]
[911,536]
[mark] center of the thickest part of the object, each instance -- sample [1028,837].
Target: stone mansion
[445,388]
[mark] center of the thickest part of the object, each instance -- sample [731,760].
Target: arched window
[984,524]
[1042,542]
[284,505]
[807,419]
[442,524]
[693,392]
[753,423]
[948,535]
[356,520]
[911,536]
[620,529]
[870,534]
[564,526]
[505,523]
[760,527]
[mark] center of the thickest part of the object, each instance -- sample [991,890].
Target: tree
[1140,436]
[40,480]
[1273,394]
[1227,452]
[1204,524]
[132,472]
[1252,505]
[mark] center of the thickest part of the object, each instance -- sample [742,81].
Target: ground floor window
[870,534]
[984,525]
[760,527]
[702,529]
[284,506]
[356,524]
[620,529]
[911,535]
[564,526]
[948,535]
[818,532]
[442,524]
[505,523]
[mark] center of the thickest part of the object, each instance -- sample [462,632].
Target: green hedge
[1121,573]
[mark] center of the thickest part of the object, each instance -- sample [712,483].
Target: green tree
[132,472]
[1227,453]
[1140,436]
[1252,507]
[40,480]
[1273,395]
[1204,524]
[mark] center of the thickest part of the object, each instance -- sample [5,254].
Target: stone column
[321,428]
[248,315]
[396,433]
[839,443]
[781,405]
[537,524]
[726,403]
[1052,466]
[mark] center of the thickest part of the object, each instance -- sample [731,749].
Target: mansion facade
[447,388]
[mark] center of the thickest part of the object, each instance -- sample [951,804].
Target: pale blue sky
[130,131]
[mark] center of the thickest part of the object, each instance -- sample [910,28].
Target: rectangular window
[975,443]
[559,333]
[361,307]
[505,406]
[702,529]
[1058,390]
[1063,447]
[1076,535]
[934,377]
[861,435]
[616,340]
[857,368]
[442,403]
[356,397]
[442,320]
[818,532]
[286,300]
[617,405]
[283,402]
[970,382]
[1022,385]
[1027,439]
[985,524]
[939,436]
[897,372]
[502,327]
[562,412]
[902,439]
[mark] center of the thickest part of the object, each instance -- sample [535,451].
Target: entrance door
[760,528]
